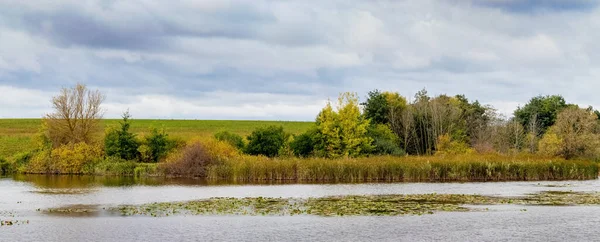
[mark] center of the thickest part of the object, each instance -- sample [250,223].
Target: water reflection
[84,181]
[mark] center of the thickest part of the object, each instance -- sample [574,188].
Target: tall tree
[76,116]
[543,108]
[377,107]
[121,142]
[342,133]
[574,127]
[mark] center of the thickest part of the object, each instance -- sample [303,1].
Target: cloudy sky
[282,59]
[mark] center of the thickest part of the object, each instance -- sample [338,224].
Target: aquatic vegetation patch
[81,210]
[13,222]
[375,205]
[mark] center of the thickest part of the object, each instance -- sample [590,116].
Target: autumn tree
[574,128]
[76,116]
[342,132]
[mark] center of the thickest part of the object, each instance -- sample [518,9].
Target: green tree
[544,109]
[158,145]
[234,140]
[304,144]
[266,141]
[385,142]
[342,133]
[121,142]
[376,107]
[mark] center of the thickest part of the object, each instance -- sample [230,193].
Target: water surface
[22,196]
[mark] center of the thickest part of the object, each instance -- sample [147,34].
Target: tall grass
[386,168]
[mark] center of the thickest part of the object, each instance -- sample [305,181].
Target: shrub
[159,145]
[74,158]
[121,142]
[550,144]
[445,145]
[115,166]
[234,140]
[6,167]
[303,145]
[145,153]
[21,160]
[385,142]
[39,162]
[193,160]
[266,141]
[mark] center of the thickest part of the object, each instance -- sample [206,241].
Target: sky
[283,59]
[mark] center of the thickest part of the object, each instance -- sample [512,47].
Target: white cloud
[281,59]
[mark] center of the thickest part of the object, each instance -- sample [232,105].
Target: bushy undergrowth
[234,140]
[6,167]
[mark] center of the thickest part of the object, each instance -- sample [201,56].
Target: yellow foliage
[73,158]
[445,145]
[343,133]
[550,144]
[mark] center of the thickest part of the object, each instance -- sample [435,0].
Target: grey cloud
[233,57]
[532,6]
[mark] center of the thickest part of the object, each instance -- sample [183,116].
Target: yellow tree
[575,128]
[342,133]
[329,132]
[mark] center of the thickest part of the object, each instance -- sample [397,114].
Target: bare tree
[533,133]
[76,116]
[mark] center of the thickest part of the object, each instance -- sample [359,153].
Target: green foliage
[342,133]
[16,135]
[115,166]
[266,141]
[122,142]
[145,153]
[544,108]
[382,107]
[234,140]
[385,142]
[304,144]
[6,167]
[376,107]
[159,145]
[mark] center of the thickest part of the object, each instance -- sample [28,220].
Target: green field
[16,134]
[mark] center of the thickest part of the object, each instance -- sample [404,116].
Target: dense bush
[385,142]
[303,145]
[6,167]
[77,158]
[266,141]
[157,146]
[446,146]
[234,140]
[115,166]
[121,142]
[193,160]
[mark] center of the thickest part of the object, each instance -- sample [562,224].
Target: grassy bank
[16,134]
[415,169]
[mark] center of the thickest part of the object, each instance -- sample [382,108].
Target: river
[23,198]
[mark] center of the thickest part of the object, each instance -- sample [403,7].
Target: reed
[459,168]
